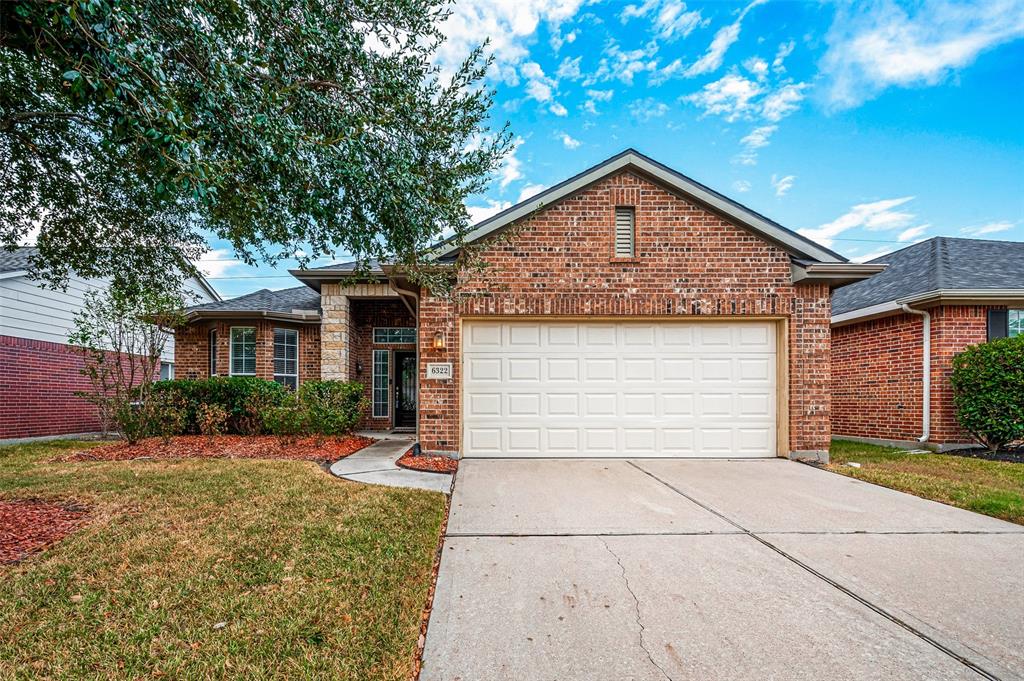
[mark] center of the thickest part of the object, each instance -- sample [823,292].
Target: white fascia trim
[13,274]
[870,311]
[666,177]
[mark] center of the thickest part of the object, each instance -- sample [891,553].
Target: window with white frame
[381,374]
[243,351]
[394,334]
[166,371]
[1015,323]
[286,357]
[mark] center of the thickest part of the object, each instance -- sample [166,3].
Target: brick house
[628,310]
[39,372]
[933,300]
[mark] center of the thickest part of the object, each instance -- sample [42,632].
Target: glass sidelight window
[381,374]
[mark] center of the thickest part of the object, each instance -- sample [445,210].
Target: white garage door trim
[637,388]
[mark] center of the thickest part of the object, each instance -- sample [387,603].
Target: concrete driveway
[661,569]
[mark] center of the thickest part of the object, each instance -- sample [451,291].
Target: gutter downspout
[926,372]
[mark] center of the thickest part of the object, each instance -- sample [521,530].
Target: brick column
[810,373]
[334,333]
[438,424]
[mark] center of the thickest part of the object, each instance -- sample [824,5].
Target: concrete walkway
[741,570]
[375,465]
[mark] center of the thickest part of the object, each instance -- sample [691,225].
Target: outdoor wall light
[359,368]
[439,340]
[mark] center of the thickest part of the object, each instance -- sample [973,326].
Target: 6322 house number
[439,370]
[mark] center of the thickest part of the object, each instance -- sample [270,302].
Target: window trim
[616,254]
[211,352]
[1009,323]
[386,354]
[394,328]
[274,356]
[231,348]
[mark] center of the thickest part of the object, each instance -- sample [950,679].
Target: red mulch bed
[29,526]
[227,447]
[428,464]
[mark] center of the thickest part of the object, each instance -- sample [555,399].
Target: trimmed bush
[243,398]
[988,391]
[289,420]
[334,406]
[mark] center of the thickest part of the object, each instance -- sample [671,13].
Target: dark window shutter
[998,324]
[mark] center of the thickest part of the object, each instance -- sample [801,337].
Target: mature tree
[127,126]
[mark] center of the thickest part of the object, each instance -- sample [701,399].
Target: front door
[405,390]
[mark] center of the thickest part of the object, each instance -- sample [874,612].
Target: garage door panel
[626,389]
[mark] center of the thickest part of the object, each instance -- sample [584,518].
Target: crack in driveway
[636,603]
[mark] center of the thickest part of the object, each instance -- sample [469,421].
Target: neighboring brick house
[626,311]
[39,372]
[966,291]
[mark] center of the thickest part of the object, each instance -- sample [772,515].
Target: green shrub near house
[988,391]
[256,406]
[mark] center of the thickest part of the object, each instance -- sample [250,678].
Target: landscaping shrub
[334,406]
[289,420]
[243,398]
[212,418]
[167,415]
[988,391]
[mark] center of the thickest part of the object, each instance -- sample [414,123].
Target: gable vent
[625,231]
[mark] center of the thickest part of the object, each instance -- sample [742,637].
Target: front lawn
[995,488]
[216,568]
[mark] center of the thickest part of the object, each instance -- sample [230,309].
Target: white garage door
[591,389]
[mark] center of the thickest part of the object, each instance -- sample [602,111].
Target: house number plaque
[439,370]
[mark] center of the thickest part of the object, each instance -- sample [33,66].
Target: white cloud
[912,233]
[511,166]
[623,65]
[877,45]
[631,11]
[783,102]
[741,186]
[557,39]
[511,26]
[673,21]
[874,216]
[530,190]
[731,96]
[538,85]
[754,140]
[757,66]
[557,109]
[478,213]
[589,107]
[217,262]
[720,44]
[873,254]
[646,109]
[569,142]
[600,95]
[785,49]
[988,228]
[782,184]
[569,68]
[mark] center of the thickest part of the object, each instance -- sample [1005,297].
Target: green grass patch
[995,488]
[312,577]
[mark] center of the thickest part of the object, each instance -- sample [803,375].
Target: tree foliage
[127,126]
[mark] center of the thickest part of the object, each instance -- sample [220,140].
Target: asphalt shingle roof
[265,300]
[372,267]
[12,261]
[938,263]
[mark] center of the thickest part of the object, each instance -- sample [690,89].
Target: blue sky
[867,126]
